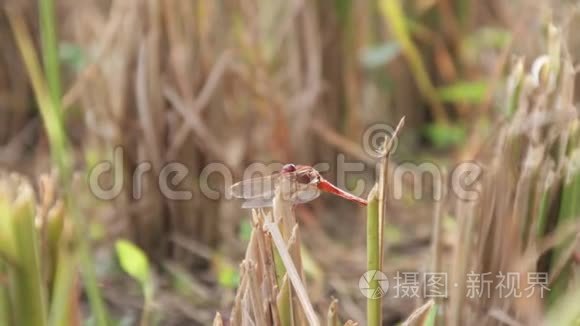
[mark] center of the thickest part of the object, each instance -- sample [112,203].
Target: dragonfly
[297,184]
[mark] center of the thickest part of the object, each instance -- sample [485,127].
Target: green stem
[374,311]
[88,270]
[394,15]
[5,306]
[569,210]
[50,51]
[52,121]
[63,289]
[29,289]
[148,294]
[284,303]
[60,149]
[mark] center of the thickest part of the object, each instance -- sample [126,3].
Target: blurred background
[237,82]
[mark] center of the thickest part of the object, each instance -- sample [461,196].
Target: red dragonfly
[297,183]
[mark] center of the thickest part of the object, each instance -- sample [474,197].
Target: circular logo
[373,284]
[374,137]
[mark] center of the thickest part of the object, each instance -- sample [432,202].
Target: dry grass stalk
[383,183]
[332,315]
[292,273]
[521,199]
[218,321]
[437,232]
[272,275]
[418,314]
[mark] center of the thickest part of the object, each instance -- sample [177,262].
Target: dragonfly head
[289,168]
[308,177]
[302,174]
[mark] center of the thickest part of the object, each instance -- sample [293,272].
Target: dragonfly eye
[289,168]
[303,178]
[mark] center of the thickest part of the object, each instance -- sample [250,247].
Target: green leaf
[245,230]
[133,261]
[484,40]
[378,56]
[228,276]
[393,233]
[487,37]
[565,310]
[310,266]
[450,223]
[343,8]
[464,92]
[72,55]
[443,136]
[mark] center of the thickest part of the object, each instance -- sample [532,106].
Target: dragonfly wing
[306,195]
[257,203]
[254,188]
[299,197]
[260,192]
